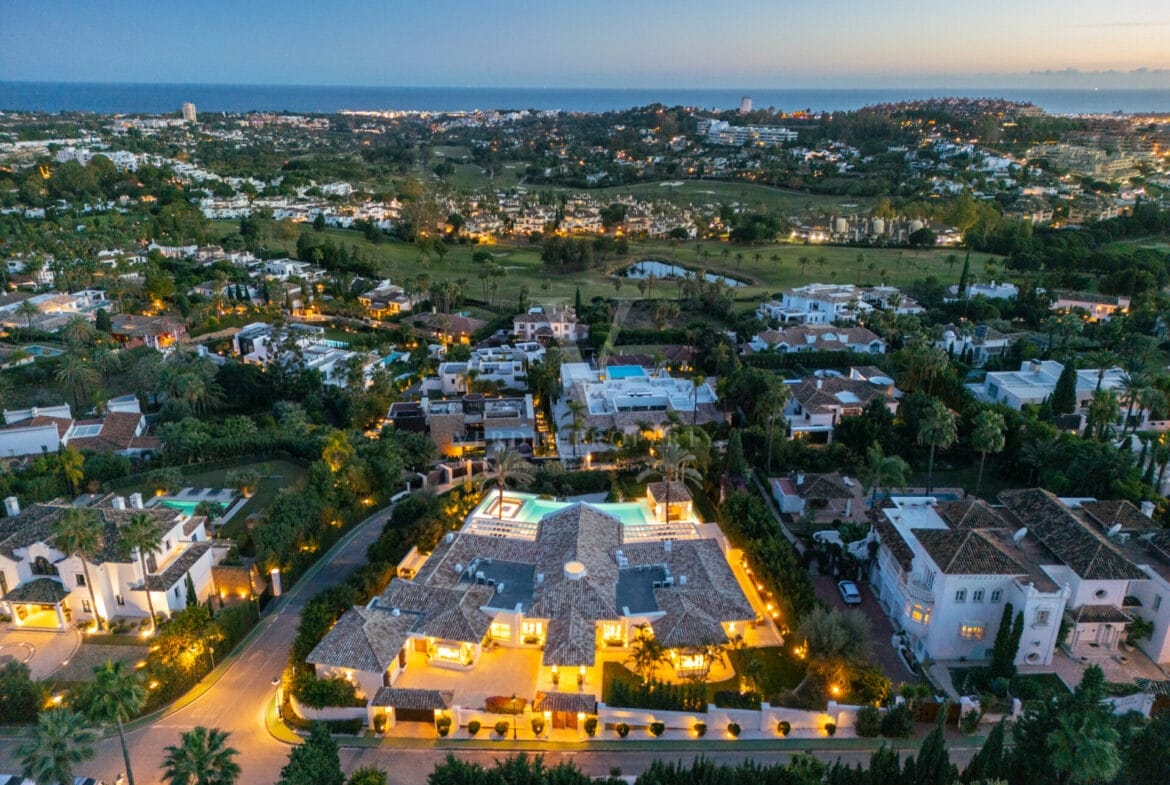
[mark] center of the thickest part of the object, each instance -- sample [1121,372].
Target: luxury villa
[575,580]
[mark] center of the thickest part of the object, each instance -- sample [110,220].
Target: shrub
[443,725]
[869,722]
[538,725]
[591,727]
[831,728]
[473,727]
[734,730]
[351,727]
[657,728]
[898,723]
[502,728]
[700,729]
[731,699]
[622,729]
[784,727]
[969,722]
[657,695]
[498,704]
[319,693]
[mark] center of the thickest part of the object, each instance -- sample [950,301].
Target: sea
[105,98]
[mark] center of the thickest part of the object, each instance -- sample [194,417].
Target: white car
[849,592]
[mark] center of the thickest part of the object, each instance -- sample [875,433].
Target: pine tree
[192,597]
[737,465]
[577,303]
[316,762]
[933,766]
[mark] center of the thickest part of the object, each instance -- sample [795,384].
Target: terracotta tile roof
[685,624]
[571,702]
[571,640]
[679,493]
[892,539]
[416,700]
[1108,513]
[966,552]
[35,524]
[1084,551]
[40,421]
[824,487]
[38,591]
[1101,614]
[177,569]
[118,432]
[969,513]
[363,639]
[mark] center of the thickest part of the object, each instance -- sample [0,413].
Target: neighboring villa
[306,346]
[983,342]
[444,328]
[819,402]
[504,366]
[817,338]
[559,324]
[629,396]
[43,588]
[38,430]
[573,580]
[1036,380]
[824,498]
[822,303]
[944,570]
[472,423]
[1100,307]
[160,333]
[386,300]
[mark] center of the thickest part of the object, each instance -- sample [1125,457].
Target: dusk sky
[604,43]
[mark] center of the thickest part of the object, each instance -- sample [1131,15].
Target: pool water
[625,371]
[533,508]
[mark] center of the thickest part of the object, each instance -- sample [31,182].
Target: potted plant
[537,725]
[784,727]
[734,730]
[473,727]
[700,729]
[622,729]
[591,727]
[831,728]
[969,722]
[443,725]
[502,728]
[657,729]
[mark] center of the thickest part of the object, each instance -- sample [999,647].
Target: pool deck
[522,512]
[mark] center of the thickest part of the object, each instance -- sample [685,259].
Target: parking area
[44,652]
[881,631]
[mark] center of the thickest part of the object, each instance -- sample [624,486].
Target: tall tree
[836,642]
[1002,655]
[933,765]
[936,428]
[142,537]
[59,741]
[510,465]
[114,696]
[316,762]
[1064,395]
[78,533]
[988,434]
[990,763]
[674,464]
[202,757]
[882,471]
[576,419]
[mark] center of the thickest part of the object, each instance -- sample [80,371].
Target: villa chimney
[34,412]
[682,580]
[136,501]
[12,506]
[1148,509]
[820,382]
[666,546]
[395,612]
[1036,365]
[799,479]
[119,502]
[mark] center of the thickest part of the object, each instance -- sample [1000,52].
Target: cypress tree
[577,302]
[989,763]
[192,597]
[1014,643]
[1001,658]
[933,766]
[1064,397]
[965,276]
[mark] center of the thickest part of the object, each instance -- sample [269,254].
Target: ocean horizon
[126,98]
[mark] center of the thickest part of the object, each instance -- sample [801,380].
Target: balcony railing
[917,591]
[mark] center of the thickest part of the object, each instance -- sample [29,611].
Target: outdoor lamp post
[515,715]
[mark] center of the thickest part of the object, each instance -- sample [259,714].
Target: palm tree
[1083,750]
[881,470]
[29,311]
[576,419]
[1102,360]
[646,653]
[143,536]
[78,533]
[674,464]
[509,464]
[75,373]
[60,739]
[114,696]
[1039,454]
[72,464]
[936,427]
[202,757]
[1104,409]
[1134,386]
[987,435]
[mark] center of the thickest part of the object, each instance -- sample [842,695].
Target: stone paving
[44,652]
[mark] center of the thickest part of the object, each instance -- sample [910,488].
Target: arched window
[42,566]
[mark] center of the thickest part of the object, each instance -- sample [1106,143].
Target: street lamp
[211,653]
[515,715]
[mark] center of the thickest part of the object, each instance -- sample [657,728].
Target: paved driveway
[44,652]
[881,631]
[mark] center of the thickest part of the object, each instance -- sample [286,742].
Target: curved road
[238,701]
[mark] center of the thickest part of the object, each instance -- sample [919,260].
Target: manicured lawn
[780,672]
[699,193]
[1030,686]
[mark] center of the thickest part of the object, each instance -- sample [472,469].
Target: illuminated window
[501,632]
[448,652]
[971,632]
[920,613]
[530,628]
[691,662]
[611,631]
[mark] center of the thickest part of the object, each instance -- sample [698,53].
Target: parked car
[849,592]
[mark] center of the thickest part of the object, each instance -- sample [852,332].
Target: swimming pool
[625,371]
[187,507]
[532,508]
